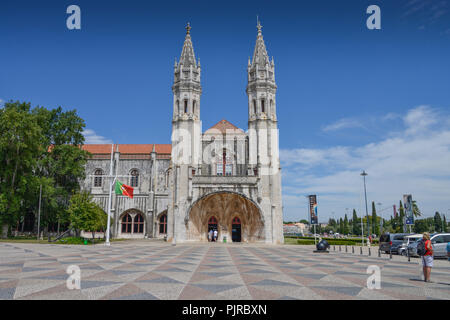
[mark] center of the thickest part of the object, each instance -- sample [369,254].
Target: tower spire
[187,54]
[260,55]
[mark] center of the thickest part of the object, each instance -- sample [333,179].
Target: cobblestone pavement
[159,270]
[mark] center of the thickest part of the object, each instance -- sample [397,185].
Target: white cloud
[414,160]
[343,124]
[92,138]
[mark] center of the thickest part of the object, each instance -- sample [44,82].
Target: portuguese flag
[123,189]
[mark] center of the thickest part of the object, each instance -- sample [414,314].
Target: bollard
[345,248]
[339,248]
[353,249]
[334,247]
[390,254]
[409,257]
[379,253]
[369,251]
[360,251]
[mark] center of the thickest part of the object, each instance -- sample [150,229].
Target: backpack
[421,248]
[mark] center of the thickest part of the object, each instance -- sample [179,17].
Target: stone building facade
[223,179]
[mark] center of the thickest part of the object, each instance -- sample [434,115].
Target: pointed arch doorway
[236,230]
[225,206]
[212,224]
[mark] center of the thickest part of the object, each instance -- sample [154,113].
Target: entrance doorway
[212,224]
[236,230]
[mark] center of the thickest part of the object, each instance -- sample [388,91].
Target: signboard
[313,209]
[407,200]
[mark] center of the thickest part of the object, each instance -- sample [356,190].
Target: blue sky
[348,98]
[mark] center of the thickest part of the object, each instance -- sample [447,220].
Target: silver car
[439,242]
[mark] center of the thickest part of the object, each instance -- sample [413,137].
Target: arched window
[263,107]
[185,106]
[138,226]
[178,106]
[163,224]
[236,221]
[254,106]
[271,106]
[98,179]
[134,178]
[212,223]
[126,223]
[194,103]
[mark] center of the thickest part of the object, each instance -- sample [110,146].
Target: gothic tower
[186,136]
[263,137]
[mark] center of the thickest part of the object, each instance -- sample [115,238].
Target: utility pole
[364,174]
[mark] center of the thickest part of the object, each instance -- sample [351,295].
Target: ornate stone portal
[225,206]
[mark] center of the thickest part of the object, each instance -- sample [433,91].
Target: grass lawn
[68,240]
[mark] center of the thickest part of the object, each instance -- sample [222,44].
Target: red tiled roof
[128,148]
[224,126]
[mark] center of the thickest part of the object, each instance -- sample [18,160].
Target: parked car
[412,248]
[390,242]
[438,241]
[407,240]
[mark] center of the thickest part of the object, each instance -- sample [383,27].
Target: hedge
[341,241]
[331,242]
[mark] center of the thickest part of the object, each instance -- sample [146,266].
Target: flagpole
[111,182]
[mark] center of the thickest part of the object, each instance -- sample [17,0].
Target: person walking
[210,235]
[427,258]
[215,234]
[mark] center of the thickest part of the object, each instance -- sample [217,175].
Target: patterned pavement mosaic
[213,271]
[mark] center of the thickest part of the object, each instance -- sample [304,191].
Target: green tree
[375,223]
[63,160]
[437,222]
[20,147]
[346,227]
[39,147]
[356,223]
[85,214]
[420,226]
[445,224]
[341,226]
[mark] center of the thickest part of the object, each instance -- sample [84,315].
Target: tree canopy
[39,147]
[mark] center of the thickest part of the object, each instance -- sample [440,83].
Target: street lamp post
[364,174]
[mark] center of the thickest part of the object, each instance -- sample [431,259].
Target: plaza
[158,270]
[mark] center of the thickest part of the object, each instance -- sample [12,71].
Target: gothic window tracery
[127,222]
[134,182]
[138,225]
[98,179]
[163,224]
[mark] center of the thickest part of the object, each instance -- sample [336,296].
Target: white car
[402,249]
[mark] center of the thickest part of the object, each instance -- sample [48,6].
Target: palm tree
[416,211]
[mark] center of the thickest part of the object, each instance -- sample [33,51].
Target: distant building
[291,228]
